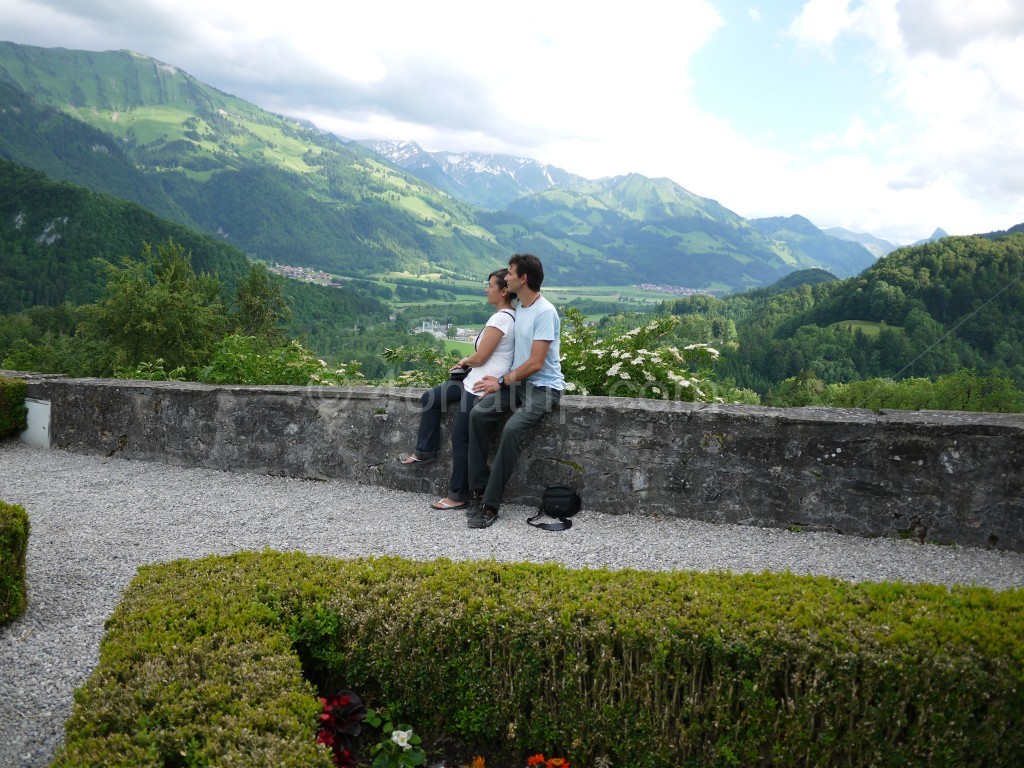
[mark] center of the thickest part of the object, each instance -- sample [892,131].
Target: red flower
[558,762]
[537,759]
[325,737]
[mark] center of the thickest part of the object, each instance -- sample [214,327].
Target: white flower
[570,386]
[638,360]
[616,354]
[401,738]
[613,370]
[624,375]
[656,390]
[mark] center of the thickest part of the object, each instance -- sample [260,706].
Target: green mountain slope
[68,150]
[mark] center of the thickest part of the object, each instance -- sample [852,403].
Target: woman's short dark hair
[529,267]
[499,275]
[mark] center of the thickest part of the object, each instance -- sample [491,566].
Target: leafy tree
[260,307]
[801,390]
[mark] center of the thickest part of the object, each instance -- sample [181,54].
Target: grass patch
[463,348]
[867,327]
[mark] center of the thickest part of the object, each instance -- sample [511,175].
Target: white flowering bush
[631,364]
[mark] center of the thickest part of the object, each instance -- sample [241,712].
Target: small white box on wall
[38,432]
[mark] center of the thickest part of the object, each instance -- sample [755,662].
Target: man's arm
[538,351]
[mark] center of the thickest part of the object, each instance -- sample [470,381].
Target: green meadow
[867,327]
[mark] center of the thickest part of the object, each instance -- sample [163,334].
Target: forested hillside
[55,237]
[921,311]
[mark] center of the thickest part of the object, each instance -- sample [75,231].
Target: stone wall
[936,476]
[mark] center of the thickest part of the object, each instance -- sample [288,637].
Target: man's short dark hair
[529,267]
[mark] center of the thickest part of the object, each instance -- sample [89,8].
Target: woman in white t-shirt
[495,347]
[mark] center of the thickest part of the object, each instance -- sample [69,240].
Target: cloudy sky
[892,117]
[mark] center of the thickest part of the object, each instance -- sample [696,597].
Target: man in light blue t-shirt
[532,388]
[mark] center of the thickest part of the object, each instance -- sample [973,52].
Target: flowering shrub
[340,723]
[630,364]
[399,747]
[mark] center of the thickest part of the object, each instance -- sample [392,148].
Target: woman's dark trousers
[436,402]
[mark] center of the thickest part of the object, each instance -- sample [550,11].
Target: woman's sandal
[413,459]
[446,504]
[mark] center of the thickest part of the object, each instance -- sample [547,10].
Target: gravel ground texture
[94,520]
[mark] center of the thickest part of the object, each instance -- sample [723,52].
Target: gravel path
[95,520]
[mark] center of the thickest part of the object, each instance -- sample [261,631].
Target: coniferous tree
[159,308]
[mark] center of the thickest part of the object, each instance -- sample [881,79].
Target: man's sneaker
[476,504]
[484,518]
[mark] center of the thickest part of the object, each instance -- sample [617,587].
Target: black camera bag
[560,502]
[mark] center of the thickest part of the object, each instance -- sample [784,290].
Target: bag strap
[476,341]
[564,523]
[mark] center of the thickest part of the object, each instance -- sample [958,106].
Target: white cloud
[947,26]
[821,22]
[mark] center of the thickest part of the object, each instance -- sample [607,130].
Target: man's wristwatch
[501,381]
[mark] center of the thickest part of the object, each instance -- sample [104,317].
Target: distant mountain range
[811,245]
[488,181]
[283,190]
[875,245]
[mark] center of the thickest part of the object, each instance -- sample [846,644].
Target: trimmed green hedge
[14,529]
[13,413]
[203,664]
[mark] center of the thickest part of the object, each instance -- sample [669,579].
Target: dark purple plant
[340,723]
